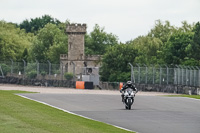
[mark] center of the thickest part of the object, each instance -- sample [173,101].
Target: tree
[186,27]
[98,41]
[34,25]
[159,46]
[162,31]
[148,49]
[178,47]
[115,63]
[25,55]
[13,41]
[49,44]
[195,45]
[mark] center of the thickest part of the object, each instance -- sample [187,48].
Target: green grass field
[20,115]
[189,96]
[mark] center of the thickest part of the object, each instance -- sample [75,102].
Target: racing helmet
[129,83]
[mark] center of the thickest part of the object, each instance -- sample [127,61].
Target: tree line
[164,44]
[44,38]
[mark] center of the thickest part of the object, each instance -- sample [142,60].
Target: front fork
[126,100]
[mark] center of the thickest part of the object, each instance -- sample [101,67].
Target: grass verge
[189,96]
[19,115]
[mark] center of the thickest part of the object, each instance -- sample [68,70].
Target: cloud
[125,18]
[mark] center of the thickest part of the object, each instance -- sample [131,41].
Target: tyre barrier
[84,85]
[80,85]
[89,85]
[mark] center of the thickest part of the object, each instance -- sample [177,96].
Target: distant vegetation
[164,44]
[44,38]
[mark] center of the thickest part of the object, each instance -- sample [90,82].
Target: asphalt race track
[149,114]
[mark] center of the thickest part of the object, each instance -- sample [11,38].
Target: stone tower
[76,47]
[75,61]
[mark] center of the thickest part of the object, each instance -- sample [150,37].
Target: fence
[166,75]
[35,73]
[27,70]
[143,74]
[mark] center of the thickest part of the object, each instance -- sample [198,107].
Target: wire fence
[32,70]
[178,75]
[143,74]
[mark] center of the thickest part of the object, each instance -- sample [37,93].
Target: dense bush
[32,74]
[68,76]
[43,73]
[5,68]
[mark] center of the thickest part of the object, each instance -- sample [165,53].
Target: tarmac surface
[151,112]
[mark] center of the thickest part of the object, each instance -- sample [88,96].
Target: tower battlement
[76,29]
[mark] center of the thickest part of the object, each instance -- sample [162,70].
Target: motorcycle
[129,96]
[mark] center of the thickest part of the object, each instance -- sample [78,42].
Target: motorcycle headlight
[126,93]
[132,93]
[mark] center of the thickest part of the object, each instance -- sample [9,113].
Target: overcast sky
[127,19]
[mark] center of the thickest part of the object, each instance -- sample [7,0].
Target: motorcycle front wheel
[129,104]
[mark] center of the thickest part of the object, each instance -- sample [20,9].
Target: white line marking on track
[73,113]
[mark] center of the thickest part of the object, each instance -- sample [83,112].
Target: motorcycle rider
[129,84]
